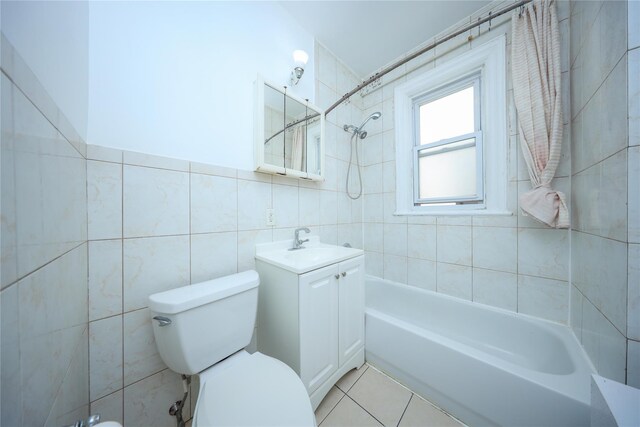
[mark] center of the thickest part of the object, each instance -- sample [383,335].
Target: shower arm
[403,61]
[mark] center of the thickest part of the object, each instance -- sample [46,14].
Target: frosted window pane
[451,174]
[446,117]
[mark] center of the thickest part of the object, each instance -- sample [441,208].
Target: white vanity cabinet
[313,321]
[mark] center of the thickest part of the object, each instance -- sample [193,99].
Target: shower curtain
[536,87]
[298,148]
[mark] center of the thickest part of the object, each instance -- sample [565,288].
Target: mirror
[288,132]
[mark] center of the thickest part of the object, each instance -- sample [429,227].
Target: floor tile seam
[385,375]
[334,407]
[355,382]
[405,410]
[364,409]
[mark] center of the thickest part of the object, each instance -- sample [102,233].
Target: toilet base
[356,361]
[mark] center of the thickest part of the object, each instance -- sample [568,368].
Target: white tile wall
[155,202]
[105,278]
[495,248]
[422,241]
[146,403]
[495,288]
[545,298]
[604,344]
[454,244]
[455,280]
[395,239]
[633,363]
[45,375]
[543,253]
[214,203]
[422,273]
[633,292]
[213,255]
[141,357]
[153,264]
[589,255]
[604,181]
[105,356]
[109,407]
[104,199]
[257,195]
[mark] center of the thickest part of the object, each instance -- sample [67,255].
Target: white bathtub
[485,366]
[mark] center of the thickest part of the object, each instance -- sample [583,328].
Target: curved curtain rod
[423,50]
[309,117]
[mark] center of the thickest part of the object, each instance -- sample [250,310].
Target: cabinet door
[351,320]
[318,326]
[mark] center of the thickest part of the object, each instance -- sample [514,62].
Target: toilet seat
[252,390]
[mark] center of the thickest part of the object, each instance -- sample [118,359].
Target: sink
[313,256]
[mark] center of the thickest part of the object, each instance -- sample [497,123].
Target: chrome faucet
[297,243]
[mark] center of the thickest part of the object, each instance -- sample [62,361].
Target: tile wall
[511,262]
[157,223]
[605,293]
[43,297]
[89,232]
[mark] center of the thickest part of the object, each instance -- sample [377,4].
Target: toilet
[202,330]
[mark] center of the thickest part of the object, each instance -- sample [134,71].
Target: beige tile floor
[367,397]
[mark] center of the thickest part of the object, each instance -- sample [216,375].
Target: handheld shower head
[374,116]
[359,130]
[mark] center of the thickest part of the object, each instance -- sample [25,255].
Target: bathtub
[483,365]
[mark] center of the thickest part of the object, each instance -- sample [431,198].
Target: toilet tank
[208,321]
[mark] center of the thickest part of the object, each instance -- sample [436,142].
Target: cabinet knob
[344,273]
[337,276]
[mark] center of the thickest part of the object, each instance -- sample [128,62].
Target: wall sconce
[300,57]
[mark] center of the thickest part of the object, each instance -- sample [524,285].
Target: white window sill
[470,212]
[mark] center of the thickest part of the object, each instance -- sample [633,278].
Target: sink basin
[315,255]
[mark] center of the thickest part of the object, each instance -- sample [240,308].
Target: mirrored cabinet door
[289,134]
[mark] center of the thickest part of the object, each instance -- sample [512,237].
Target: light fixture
[300,57]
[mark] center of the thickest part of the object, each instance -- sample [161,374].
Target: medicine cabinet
[288,133]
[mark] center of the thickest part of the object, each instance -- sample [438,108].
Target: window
[451,136]
[448,145]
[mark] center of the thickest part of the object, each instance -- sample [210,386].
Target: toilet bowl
[202,330]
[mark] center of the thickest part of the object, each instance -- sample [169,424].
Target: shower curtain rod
[307,118]
[425,49]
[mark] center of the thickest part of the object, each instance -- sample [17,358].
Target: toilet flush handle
[162,321]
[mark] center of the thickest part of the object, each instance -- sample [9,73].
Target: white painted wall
[176,78]
[53,39]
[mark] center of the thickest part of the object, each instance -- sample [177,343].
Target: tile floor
[367,397]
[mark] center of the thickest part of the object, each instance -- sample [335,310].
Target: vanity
[311,310]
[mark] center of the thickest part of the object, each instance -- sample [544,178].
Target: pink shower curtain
[298,149]
[536,87]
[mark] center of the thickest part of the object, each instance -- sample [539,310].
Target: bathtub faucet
[297,243]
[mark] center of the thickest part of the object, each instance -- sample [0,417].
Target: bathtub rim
[577,354]
[479,305]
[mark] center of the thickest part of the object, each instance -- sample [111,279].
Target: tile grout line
[405,409]
[361,407]
[20,278]
[122,280]
[355,382]
[334,407]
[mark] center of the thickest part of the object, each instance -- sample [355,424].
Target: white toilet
[203,329]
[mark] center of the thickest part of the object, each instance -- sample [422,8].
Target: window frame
[472,80]
[489,61]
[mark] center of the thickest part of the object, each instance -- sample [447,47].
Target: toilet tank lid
[188,297]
